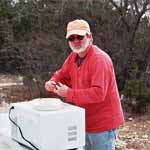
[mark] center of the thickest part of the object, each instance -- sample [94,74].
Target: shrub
[135,96]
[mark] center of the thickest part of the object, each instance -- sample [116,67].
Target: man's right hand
[50,86]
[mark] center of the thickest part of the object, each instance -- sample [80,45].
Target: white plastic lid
[47,104]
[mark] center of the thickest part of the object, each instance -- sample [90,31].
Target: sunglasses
[77,37]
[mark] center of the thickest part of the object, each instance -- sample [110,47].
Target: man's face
[79,43]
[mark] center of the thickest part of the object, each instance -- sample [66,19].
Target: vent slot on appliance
[72,133]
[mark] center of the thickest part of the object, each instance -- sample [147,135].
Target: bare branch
[141,13]
[136,7]
[126,4]
[121,4]
[121,14]
[145,7]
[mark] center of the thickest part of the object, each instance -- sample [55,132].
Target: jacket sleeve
[101,72]
[62,75]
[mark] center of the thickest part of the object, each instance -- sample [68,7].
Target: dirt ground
[135,133]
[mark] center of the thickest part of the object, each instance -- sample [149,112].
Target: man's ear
[90,35]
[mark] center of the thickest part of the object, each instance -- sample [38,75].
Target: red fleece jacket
[93,87]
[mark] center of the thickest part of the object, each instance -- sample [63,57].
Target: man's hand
[50,86]
[61,90]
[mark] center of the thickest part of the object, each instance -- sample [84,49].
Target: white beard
[82,49]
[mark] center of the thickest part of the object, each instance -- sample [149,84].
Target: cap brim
[78,32]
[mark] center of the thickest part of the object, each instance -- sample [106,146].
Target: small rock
[120,145]
[130,119]
[145,136]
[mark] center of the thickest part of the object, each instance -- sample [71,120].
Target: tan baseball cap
[78,26]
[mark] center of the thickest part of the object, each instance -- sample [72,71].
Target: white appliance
[48,125]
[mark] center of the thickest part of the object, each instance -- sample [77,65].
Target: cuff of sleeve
[53,79]
[70,96]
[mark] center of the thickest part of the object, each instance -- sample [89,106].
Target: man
[87,79]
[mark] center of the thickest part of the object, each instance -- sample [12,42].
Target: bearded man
[87,79]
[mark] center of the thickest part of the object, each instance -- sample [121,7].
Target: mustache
[82,48]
